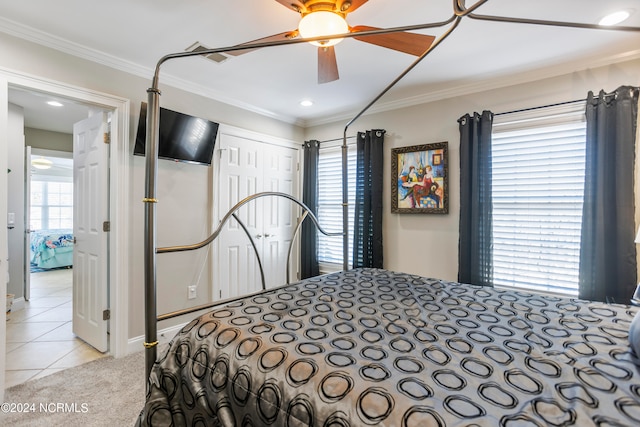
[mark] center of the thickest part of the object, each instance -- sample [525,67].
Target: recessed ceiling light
[41,163]
[615,18]
[54,104]
[306,103]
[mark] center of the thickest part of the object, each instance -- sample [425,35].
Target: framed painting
[419,179]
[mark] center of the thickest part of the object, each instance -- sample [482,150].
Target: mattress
[373,347]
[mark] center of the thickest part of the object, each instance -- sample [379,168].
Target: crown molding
[71,48]
[461,88]
[451,89]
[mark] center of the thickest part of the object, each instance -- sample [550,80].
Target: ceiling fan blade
[411,43]
[273,38]
[327,65]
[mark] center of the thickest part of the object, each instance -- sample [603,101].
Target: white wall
[428,244]
[48,140]
[184,191]
[184,216]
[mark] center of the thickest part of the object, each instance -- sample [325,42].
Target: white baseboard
[136,344]
[18,304]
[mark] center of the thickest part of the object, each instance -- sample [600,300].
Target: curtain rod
[558,103]
[541,106]
[335,139]
[338,139]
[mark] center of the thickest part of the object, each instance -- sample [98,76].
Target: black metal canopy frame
[460,11]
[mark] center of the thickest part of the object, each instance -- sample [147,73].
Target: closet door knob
[258,236]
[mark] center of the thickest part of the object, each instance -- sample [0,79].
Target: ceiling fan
[325,17]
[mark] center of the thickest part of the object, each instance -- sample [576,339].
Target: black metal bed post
[345,203]
[460,11]
[153,114]
[151,149]
[345,196]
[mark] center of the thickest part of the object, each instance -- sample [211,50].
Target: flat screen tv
[182,138]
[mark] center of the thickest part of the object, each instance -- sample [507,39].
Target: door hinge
[75,240]
[106,314]
[107,137]
[106,226]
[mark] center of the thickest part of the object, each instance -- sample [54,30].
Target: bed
[368,347]
[374,347]
[51,249]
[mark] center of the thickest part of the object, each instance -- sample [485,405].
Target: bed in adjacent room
[51,249]
[374,347]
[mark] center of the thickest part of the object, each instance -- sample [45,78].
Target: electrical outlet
[192,292]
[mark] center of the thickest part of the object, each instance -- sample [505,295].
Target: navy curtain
[367,236]
[309,236]
[475,238]
[607,249]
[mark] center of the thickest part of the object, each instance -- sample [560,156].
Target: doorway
[118,199]
[48,196]
[47,335]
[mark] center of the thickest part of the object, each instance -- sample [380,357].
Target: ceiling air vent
[215,57]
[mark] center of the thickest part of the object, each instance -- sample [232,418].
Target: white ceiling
[40,115]
[134,35]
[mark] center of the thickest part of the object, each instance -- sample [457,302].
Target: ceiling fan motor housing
[340,7]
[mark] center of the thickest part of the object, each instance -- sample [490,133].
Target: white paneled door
[249,166]
[90,230]
[279,214]
[27,223]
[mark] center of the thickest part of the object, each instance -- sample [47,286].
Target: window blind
[538,161]
[330,201]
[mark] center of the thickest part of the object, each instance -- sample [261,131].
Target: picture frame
[420,179]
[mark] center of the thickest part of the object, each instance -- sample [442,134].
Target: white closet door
[240,176]
[279,213]
[248,166]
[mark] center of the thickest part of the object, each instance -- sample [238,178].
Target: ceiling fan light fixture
[615,18]
[323,23]
[41,163]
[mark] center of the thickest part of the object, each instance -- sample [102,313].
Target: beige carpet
[106,392]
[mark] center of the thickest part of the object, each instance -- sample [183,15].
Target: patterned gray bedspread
[373,347]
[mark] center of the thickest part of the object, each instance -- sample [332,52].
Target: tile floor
[39,337]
